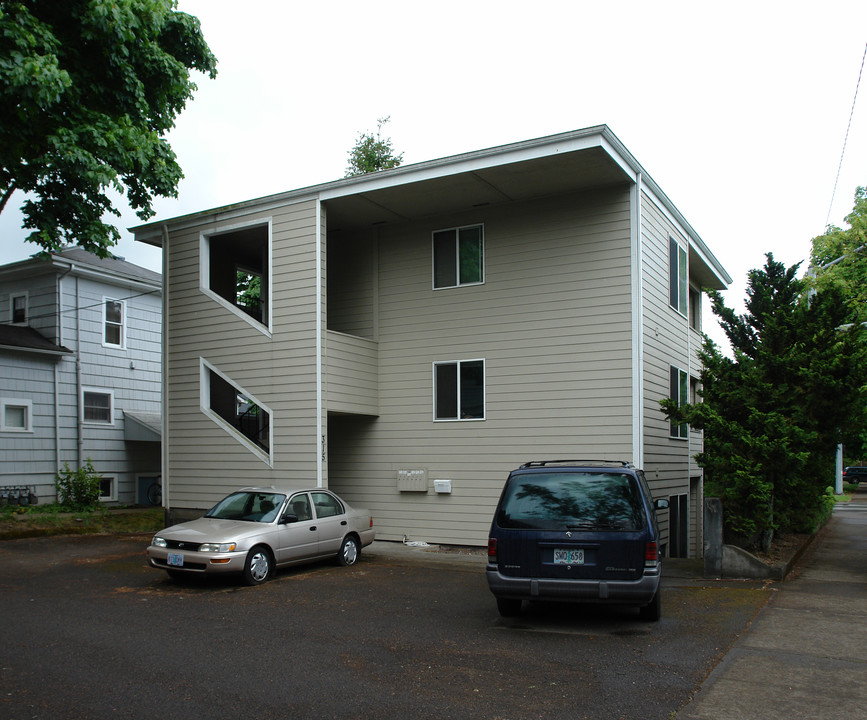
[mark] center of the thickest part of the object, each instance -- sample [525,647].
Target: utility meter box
[442,486]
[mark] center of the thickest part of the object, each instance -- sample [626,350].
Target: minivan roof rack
[586,463]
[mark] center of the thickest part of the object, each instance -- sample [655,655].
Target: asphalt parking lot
[92,632]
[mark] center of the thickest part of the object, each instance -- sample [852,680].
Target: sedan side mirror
[288,518]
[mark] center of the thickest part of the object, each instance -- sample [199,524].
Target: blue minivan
[576,531]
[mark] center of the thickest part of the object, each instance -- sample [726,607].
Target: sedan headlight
[217,547]
[158,541]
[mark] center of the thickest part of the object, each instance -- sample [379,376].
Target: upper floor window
[235,270]
[695,309]
[97,406]
[18,309]
[114,323]
[679,392]
[16,415]
[678,294]
[459,256]
[459,390]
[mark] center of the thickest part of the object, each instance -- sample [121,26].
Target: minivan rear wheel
[509,607]
[653,610]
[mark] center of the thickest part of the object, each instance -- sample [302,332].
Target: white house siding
[668,341]
[205,460]
[132,374]
[552,322]
[28,458]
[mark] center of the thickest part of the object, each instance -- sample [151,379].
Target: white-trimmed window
[695,308]
[97,406]
[459,256]
[678,290]
[114,323]
[235,271]
[18,308]
[107,488]
[236,410]
[679,387]
[16,415]
[459,390]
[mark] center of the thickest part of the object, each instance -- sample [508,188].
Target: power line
[65,311]
[845,140]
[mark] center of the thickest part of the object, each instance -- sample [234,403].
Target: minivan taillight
[651,554]
[492,550]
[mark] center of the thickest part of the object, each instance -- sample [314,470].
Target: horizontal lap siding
[553,323]
[668,341]
[205,460]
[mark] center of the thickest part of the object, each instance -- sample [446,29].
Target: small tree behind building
[372,153]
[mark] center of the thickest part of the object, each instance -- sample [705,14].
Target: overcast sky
[737,110]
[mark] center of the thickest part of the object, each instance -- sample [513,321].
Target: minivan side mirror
[660,504]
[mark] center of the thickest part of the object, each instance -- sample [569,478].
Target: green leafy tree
[372,153]
[839,258]
[88,89]
[774,412]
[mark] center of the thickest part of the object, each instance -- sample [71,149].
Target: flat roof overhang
[549,166]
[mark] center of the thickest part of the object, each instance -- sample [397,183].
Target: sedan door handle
[312,528]
[343,522]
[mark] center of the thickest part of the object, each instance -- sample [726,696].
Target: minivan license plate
[175,560]
[569,557]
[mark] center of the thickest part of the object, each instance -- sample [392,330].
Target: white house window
[459,256]
[679,388]
[18,308]
[678,295]
[695,309]
[459,390]
[107,488]
[114,312]
[16,415]
[97,406]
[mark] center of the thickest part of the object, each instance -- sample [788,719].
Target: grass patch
[41,520]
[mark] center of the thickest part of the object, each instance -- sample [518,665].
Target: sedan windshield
[248,505]
[573,501]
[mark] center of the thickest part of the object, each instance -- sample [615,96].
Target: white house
[80,374]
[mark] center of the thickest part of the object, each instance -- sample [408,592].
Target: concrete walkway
[805,654]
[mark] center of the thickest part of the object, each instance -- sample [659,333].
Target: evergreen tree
[775,411]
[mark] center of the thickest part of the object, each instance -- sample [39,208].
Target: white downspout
[164,361]
[320,437]
[79,399]
[58,456]
[637,327]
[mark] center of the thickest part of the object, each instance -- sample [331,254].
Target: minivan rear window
[572,500]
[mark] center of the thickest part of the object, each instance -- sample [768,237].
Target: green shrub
[78,489]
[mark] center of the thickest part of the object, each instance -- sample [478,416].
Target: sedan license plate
[568,557]
[175,560]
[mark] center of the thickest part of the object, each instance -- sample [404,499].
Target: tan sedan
[255,530]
